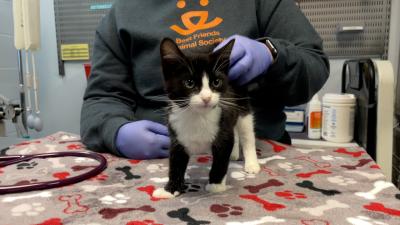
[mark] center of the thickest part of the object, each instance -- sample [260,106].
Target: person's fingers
[240,68]
[238,52]
[163,153]
[157,128]
[163,141]
[223,43]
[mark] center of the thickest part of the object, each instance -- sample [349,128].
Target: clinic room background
[60,97]
[342,165]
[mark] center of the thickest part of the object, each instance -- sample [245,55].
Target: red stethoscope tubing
[13,159]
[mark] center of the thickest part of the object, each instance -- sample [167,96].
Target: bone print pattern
[295,186]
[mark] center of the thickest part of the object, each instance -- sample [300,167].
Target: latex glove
[143,139]
[249,59]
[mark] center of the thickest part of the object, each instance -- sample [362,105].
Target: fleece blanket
[295,186]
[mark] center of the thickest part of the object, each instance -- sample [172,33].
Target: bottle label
[315,120]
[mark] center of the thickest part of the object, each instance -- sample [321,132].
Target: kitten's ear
[171,58]
[221,57]
[169,50]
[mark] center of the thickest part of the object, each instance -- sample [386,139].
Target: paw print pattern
[189,187]
[363,220]
[204,159]
[27,165]
[155,168]
[288,166]
[331,158]
[100,177]
[67,137]
[74,224]
[80,160]
[342,181]
[26,209]
[116,199]
[289,195]
[241,175]
[143,222]
[225,210]
[74,147]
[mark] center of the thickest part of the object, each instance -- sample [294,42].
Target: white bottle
[338,117]
[314,118]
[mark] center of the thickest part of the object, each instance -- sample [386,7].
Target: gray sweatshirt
[126,82]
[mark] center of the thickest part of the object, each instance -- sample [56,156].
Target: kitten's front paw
[252,168]
[162,193]
[214,188]
[235,155]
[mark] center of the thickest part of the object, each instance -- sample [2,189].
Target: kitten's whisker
[219,57]
[177,106]
[162,111]
[231,105]
[180,110]
[224,63]
[169,107]
[160,95]
[183,100]
[165,97]
[231,108]
[244,98]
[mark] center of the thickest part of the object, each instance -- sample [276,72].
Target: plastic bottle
[314,118]
[338,117]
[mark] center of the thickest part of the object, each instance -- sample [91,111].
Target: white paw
[162,193]
[241,175]
[214,188]
[252,168]
[235,155]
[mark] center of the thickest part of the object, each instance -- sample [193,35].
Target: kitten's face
[197,82]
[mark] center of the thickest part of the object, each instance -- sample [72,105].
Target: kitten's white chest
[196,131]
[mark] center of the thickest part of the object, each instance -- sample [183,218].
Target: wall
[61,97]
[394,39]
[8,59]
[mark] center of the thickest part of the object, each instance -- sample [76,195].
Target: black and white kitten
[206,113]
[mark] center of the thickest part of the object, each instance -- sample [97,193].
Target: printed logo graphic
[200,17]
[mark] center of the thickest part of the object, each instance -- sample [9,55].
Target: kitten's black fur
[179,68]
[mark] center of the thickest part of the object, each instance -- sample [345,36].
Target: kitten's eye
[217,83]
[189,84]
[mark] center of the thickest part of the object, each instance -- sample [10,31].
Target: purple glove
[143,140]
[249,59]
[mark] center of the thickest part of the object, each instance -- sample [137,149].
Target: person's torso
[194,26]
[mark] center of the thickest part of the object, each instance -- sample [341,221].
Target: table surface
[328,185]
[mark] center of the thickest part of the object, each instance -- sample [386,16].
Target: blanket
[295,186]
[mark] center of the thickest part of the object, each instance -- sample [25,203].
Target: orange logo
[201,24]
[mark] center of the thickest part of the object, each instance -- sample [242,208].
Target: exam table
[324,185]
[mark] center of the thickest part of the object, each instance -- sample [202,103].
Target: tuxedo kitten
[206,113]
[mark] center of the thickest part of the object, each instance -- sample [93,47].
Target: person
[277,55]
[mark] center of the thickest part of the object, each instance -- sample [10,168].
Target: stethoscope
[7,160]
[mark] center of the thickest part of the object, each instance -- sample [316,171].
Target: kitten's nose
[206,99]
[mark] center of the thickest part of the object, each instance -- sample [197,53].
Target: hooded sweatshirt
[126,81]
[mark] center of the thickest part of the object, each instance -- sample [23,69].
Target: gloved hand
[249,59]
[143,139]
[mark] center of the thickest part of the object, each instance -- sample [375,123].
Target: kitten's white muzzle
[198,102]
[206,99]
